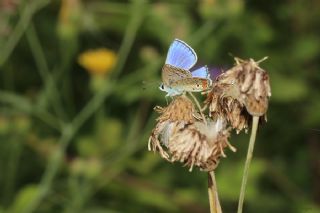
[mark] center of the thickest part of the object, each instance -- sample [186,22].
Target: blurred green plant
[67,147]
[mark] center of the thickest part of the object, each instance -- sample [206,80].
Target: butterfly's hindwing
[192,84]
[201,72]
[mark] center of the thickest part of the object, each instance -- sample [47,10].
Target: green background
[70,143]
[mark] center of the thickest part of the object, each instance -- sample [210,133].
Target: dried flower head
[179,113]
[180,136]
[254,87]
[200,144]
[222,102]
[240,90]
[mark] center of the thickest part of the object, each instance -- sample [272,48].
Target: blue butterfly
[176,75]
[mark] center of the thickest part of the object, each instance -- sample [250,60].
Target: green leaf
[23,198]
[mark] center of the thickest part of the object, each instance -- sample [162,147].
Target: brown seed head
[200,144]
[243,89]
[223,102]
[179,113]
[179,136]
[254,87]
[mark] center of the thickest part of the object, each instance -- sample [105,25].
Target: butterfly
[176,75]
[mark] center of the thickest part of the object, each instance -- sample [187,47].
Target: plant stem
[50,87]
[215,206]
[72,128]
[199,107]
[51,170]
[23,104]
[255,122]
[138,6]
[19,29]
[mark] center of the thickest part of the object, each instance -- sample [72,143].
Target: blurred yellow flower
[98,61]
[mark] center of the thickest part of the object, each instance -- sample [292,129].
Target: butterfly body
[176,75]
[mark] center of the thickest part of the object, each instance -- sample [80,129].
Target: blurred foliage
[75,141]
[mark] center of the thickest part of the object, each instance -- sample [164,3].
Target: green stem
[70,130]
[51,90]
[12,164]
[83,191]
[51,170]
[24,105]
[255,122]
[213,194]
[138,7]
[119,161]
[18,31]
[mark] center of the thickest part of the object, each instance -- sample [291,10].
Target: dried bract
[179,113]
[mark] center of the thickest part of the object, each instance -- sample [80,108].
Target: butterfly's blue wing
[201,72]
[181,55]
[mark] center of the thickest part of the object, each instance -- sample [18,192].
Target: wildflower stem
[51,90]
[255,121]
[199,107]
[138,6]
[20,28]
[213,194]
[23,104]
[72,128]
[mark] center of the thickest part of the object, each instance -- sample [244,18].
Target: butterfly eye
[162,87]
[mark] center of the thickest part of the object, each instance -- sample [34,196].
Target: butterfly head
[171,91]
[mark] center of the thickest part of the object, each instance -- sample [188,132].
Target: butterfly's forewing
[201,72]
[181,55]
[192,84]
[171,74]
